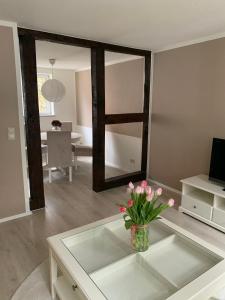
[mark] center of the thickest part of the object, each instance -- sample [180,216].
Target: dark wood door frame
[98,113]
[84,43]
[32,121]
[100,120]
[27,38]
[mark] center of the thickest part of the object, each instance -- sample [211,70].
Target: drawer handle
[195,206]
[74,287]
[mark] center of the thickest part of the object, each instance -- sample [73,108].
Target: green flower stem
[140,237]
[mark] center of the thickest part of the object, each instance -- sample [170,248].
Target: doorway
[100,119]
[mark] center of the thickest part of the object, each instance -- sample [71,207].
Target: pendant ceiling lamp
[53,90]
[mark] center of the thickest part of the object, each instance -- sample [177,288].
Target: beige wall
[65,110]
[12,199]
[84,98]
[188,110]
[124,85]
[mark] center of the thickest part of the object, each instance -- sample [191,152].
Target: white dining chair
[44,153]
[80,150]
[67,126]
[59,152]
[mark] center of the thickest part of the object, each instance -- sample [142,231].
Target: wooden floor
[23,241]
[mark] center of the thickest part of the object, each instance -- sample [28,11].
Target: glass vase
[140,237]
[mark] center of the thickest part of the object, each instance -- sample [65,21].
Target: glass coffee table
[97,262]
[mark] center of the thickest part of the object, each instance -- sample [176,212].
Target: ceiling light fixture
[53,90]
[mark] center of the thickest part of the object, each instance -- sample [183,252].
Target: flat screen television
[217,164]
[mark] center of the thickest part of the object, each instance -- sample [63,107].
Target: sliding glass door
[120,93]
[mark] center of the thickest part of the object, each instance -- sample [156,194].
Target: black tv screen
[217,165]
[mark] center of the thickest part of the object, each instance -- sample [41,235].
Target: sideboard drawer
[197,206]
[65,286]
[65,292]
[219,216]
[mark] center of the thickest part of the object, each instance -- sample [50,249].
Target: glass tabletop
[105,254]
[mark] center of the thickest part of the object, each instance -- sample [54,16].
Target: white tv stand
[204,200]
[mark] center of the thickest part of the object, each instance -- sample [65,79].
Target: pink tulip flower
[159,192]
[130,203]
[171,202]
[144,183]
[122,209]
[150,196]
[139,190]
[131,186]
[148,190]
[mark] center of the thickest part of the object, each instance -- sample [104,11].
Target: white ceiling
[73,58]
[149,24]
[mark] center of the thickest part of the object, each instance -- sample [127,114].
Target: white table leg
[53,274]
[76,163]
[70,174]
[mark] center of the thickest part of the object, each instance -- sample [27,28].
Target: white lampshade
[53,90]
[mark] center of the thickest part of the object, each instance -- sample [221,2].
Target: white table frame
[75,137]
[202,288]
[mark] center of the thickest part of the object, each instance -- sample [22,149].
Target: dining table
[75,137]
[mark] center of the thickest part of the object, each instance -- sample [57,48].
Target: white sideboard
[204,200]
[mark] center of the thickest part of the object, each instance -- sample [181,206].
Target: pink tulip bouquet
[140,210]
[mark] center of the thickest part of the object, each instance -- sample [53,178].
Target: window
[46,108]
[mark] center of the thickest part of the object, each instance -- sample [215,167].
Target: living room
[100,232]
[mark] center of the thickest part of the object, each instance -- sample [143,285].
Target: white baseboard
[109,164]
[15,217]
[165,186]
